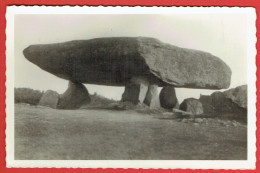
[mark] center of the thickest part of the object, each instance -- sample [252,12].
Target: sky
[223,35]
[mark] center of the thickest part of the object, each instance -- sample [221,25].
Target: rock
[217,102]
[199,120]
[135,92]
[168,99]
[180,112]
[238,95]
[50,99]
[224,102]
[207,103]
[113,61]
[177,105]
[138,90]
[231,103]
[192,105]
[74,97]
[235,124]
[151,97]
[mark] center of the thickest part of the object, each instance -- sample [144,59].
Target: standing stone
[74,97]
[50,99]
[192,105]
[151,98]
[168,98]
[135,90]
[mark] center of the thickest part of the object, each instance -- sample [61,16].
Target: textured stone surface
[177,105]
[232,103]
[238,95]
[113,61]
[168,99]
[50,99]
[192,105]
[134,92]
[232,100]
[74,97]
[152,97]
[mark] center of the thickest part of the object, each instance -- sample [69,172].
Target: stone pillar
[151,97]
[134,92]
[168,99]
[74,97]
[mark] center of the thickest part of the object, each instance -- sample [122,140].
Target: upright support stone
[74,97]
[168,99]
[134,92]
[152,98]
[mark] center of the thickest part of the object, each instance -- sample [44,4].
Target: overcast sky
[223,35]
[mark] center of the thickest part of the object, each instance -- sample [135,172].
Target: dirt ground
[43,133]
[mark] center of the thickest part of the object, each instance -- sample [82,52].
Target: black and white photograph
[130,86]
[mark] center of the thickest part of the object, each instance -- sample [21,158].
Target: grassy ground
[45,133]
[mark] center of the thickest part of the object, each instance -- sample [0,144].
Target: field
[43,133]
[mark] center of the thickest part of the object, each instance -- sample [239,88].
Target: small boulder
[192,105]
[50,99]
[168,99]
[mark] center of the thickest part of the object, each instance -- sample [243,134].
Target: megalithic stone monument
[140,64]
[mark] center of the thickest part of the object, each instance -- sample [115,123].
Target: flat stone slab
[114,61]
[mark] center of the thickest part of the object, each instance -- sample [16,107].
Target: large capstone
[74,97]
[114,61]
[50,99]
[168,99]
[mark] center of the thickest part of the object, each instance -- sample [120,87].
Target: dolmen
[140,64]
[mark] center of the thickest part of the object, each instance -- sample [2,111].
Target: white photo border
[164,164]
